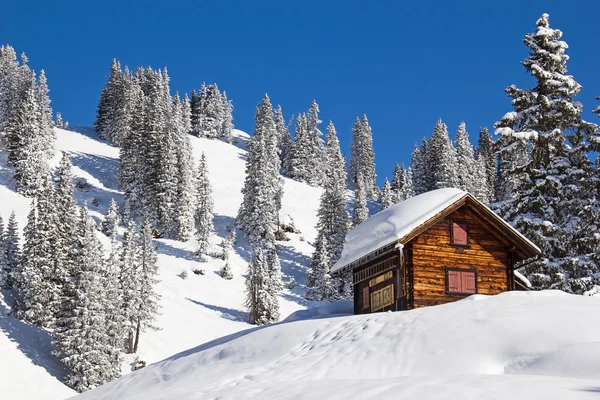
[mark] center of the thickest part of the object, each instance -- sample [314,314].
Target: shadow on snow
[226,313]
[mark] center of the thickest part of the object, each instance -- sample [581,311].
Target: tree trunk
[137,336]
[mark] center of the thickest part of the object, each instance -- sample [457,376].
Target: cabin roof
[402,222]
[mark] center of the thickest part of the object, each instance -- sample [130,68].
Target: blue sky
[403,64]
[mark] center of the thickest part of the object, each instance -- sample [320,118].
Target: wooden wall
[432,252]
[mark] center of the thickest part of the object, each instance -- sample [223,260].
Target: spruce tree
[398,183]
[408,189]
[465,160]
[319,283]
[82,342]
[204,208]
[361,212]
[262,192]
[418,164]
[4,272]
[129,283]
[486,150]
[46,126]
[386,199]
[112,219]
[25,141]
[283,135]
[147,309]
[362,156]
[262,305]
[441,159]
[226,119]
[549,205]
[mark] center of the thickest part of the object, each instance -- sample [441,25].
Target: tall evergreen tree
[129,284]
[487,152]
[320,286]
[398,182]
[46,126]
[226,119]
[418,164]
[24,138]
[112,220]
[12,250]
[204,207]
[549,204]
[386,199]
[361,212]
[465,161]
[262,305]
[82,342]
[4,272]
[362,156]
[283,135]
[441,159]
[147,309]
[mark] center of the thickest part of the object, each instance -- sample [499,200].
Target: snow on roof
[399,220]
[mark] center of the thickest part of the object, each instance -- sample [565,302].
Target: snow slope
[196,310]
[518,345]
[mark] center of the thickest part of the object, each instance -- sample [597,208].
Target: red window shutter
[454,282]
[468,282]
[459,234]
[365,297]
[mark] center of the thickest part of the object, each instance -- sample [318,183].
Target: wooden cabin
[438,247]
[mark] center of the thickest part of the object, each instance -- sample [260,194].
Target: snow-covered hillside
[517,345]
[195,310]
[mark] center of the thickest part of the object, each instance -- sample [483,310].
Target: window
[365,297]
[461,281]
[459,234]
[382,298]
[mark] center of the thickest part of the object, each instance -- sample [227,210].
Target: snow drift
[516,345]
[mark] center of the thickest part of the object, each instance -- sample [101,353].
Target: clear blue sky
[404,64]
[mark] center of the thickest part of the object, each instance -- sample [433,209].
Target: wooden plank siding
[432,251]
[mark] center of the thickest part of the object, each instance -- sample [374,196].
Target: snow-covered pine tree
[25,269]
[147,304]
[386,198]
[132,151]
[12,250]
[184,202]
[550,206]
[227,247]
[418,164]
[42,283]
[441,159]
[362,156]
[58,121]
[465,161]
[112,219]
[513,156]
[262,304]
[115,318]
[25,141]
[186,114]
[361,211]
[486,150]
[4,272]
[259,213]
[112,115]
[319,284]
[480,188]
[204,208]
[408,190]
[194,113]
[81,339]
[398,182]
[334,220]
[66,249]
[283,135]
[46,126]
[226,119]
[306,157]
[129,283]
[10,83]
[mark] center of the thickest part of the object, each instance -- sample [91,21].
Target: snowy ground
[196,310]
[517,345]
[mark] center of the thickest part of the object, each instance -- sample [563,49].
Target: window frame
[446,288]
[368,298]
[466,224]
